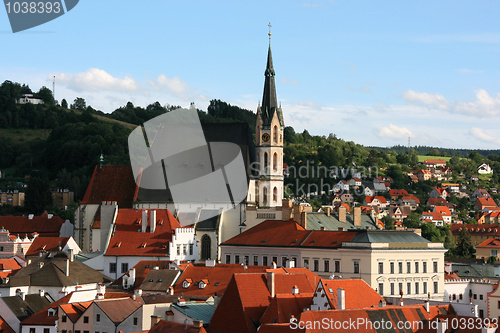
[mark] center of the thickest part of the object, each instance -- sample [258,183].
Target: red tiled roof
[127,240]
[358,294]
[436,201]
[47,244]
[443,210]
[4,327]
[111,183]
[218,278]
[490,243]
[171,327]
[485,202]
[433,215]
[284,306]
[396,192]
[407,313]
[23,225]
[279,328]
[435,161]
[289,234]
[369,199]
[482,229]
[451,276]
[411,197]
[74,310]
[42,317]
[9,264]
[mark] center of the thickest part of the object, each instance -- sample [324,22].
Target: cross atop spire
[269,33]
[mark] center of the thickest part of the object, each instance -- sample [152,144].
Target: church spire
[269,100]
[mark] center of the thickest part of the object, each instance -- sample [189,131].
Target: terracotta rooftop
[42,317]
[289,234]
[398,192]
[111,183]
[483,229]
[170,327]
[129,240]
[47,244]
[369,199]
[4,327]
[74,310]
[358,294]
[45,225]
[9,267]
[493,243]
[119,309]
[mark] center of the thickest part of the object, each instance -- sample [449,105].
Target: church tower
[269,141]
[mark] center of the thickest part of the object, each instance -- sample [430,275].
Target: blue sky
[373,72]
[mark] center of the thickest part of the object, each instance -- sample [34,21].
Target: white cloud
[484,136]
[432,100]
[95,79]
[485,105]
[392,131]
[470,71]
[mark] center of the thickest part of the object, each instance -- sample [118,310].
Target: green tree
[45,94]
[64,103]
[38,196]
[388,222]
[464,248]
[79,104]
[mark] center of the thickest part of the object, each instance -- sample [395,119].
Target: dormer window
[51,312]
[186,283]
[202,285]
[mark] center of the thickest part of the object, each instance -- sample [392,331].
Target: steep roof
[111,183]
[358,294]
[481,229]
[286,305]
[490,243]
[398,192]
[22,309]
[159,280]
[9,267]
[443,210]
[218,278]
[433,215]
[269,100]
[119,309]
[45,225]
[485,202]
[369,199]
[4,327]
[289,234]
[129,240]
[47,244]
[171,327]
[75,310]
[42,317]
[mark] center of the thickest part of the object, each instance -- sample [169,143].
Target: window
[436,290]
[98,317]
[356,267]
[124,267]
[247,260]
[283,261]
[400,288]
[264,191]
[264,260]
[228,258]
[481,313]
[206,247]
[275,194]
[416,266]
[1,248]
[306,264]
[493,253]
[337,266]
[417,289]
[381,268]
[191,247]
[435,267]
[64,318]
[77,331]
[275,260]
[392,288]
[256,260]
[475,296]
[275,162]
[316,265]
[326,265]
[424,267]
[408,267]
[86,332]
[498,304]
[391,265]
[408,288]
[236,259]
[424,285]
[64,331]
[381,288]
[112,267]
[32,330]
[136,321]
[86,319]
[184,249]
[400,267]
[178,250]
[481,297]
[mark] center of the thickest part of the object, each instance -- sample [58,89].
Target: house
[485,203]
[478,232]
[355,182]
[488,248]
[57,274]
[196,313]
[435,163]
[373,201]
[346,198]
[484,169]
[399,213]
[349,294]
[489,218]
[479,193]
[11,245]
[409,200]
[27,97]
[431,202]
[342,187]
[61,198]
[44,320]
[52,245]
[396,193]
[12,197]
[70,314]
[15,309]
[439,192]
[45,225]
[139,234]
[423,175]
[451,187]
[445,213]
[434,217]
[346,253]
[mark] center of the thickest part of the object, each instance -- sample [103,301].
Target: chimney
[295,290]
[270,283]
[426,305]
[297,209]
[441,325]
[273,265]
[101,289]
[155,320]
[328,211]
[286,210]
[290,264]
[401,303]
[131,274]
[138,292]
[342,214]
[322,228]
[71,255]
[382,304]
[197,323]
[41,293]
[448,267]
[357,216]
[22,294]
[170,291]
[210,263]
[340,299]
[66,267]
[133,297]
[152,221]
[303,220]
[144,220]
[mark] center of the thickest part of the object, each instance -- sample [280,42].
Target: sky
[372,72]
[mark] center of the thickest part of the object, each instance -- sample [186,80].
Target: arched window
[275,162]
[206,245]
[264,195]
[275,131]
[275,194]
[265,162]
